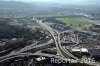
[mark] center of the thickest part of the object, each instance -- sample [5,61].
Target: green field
[74,22]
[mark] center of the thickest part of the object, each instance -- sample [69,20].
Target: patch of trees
[9,31]
[53,20]
[22,36]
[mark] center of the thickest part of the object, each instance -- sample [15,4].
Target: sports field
[74,22]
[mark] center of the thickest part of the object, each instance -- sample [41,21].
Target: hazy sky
[62,1]
[48,0]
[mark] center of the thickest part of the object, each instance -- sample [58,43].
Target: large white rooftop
[80,50]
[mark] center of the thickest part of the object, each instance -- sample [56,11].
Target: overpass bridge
[63,53]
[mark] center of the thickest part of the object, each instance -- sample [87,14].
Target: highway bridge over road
[62,53]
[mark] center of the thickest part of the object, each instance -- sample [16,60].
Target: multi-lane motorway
[27,48]
[27,55]
[62,53]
